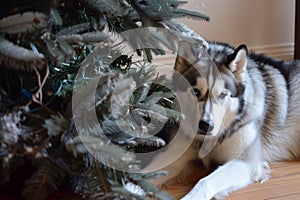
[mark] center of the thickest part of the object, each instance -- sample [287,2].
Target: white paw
[263,173]
[199,192]
[195,196]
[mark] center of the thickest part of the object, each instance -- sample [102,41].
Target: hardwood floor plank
[284,184]
[295,196]
[285,181]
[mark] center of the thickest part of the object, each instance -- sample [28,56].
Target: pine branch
[148,175]
[111,8]
[126,133]
[56,125]
[65,47]
[86,38]
[16,57]
[55,17]
[132,191]
[98,182]
[5,173]
[190,14]
[75,29]
[150,141]
[11,131]
[157,10]
[44,182]
[170,41]
[101,151]
[153,190]
[21,23]
[9,127]
[184,31]
[142,181]
[53,50]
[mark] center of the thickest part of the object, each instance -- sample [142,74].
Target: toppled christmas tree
[50,51]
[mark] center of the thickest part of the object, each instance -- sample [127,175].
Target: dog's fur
[249,106]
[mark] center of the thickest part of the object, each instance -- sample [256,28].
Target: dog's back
[281,128]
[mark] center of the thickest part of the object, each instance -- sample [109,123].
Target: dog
[247,115]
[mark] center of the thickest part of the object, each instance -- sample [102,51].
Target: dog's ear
[237,62]
[186,57]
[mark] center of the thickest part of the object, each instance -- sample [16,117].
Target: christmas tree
[74,106]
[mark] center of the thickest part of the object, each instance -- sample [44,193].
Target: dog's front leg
[233,175]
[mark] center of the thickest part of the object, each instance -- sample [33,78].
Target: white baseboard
[279,51]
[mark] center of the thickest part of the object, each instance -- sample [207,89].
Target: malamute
[249,105]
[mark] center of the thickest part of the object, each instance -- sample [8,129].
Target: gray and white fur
[252,114]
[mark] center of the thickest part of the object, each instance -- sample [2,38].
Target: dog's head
[216,81]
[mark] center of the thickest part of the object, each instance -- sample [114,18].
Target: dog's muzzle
[205,127]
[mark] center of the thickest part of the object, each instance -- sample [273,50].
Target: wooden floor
[284,184]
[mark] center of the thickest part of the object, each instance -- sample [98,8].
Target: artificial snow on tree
[49,52]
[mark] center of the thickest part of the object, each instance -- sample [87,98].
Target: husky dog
[252,114]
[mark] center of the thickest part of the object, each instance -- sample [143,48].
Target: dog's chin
[199,132]
[201,136]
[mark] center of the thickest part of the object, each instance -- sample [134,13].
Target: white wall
[264,25]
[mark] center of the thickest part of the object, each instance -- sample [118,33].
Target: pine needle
[20,23]
[135,189]
[151,189]
[78,28]
[191,14]
[97,180]
[87,38]
[158,10]
[94,37]
[111,8]
[56,125]
[55,17]
[44,182]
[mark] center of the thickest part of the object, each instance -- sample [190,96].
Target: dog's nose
[205,127]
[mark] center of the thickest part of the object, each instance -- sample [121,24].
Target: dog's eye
[196,92]
[222,95]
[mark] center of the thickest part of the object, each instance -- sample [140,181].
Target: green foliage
[98,181]
[43,45]
[165,10]
[44,182]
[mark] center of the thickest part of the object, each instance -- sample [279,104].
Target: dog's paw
[199,192]
[262,173]
[195,196]
[199,196]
